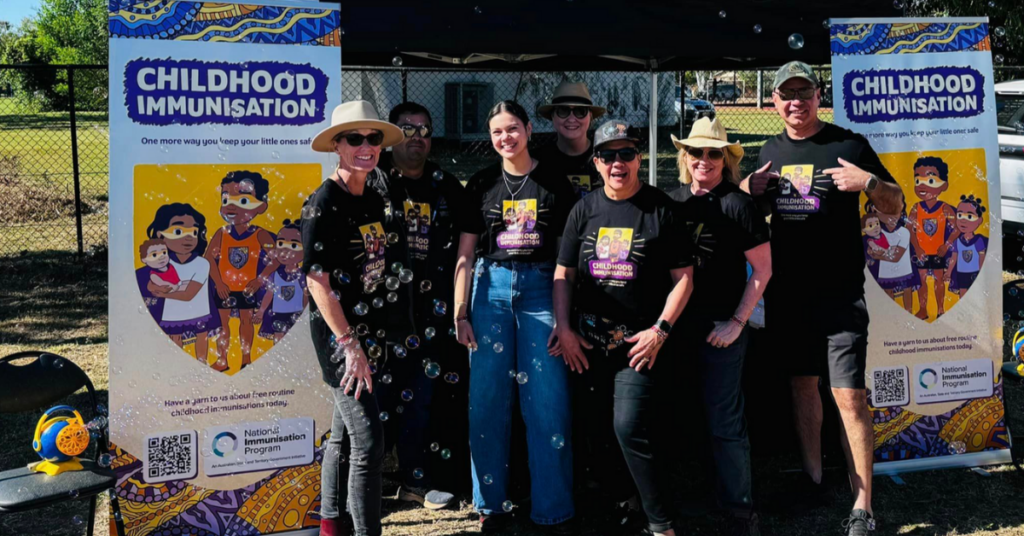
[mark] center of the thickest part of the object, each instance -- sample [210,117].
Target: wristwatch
[664,326]
[872,184]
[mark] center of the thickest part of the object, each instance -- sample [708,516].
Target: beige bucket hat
[354,115]
[708,132]
[570,94]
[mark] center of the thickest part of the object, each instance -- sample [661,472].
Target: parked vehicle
[691,109]
[726,93]
[1010,118]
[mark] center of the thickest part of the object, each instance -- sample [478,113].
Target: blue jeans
[511,306]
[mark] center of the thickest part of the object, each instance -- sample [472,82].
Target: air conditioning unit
[466,105]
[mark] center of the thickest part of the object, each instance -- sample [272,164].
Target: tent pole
[760,89]
[653,148]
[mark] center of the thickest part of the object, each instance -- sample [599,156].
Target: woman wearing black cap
[626,230]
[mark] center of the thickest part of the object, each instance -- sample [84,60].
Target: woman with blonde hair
[729,232]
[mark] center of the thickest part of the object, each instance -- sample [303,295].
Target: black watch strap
[664,326]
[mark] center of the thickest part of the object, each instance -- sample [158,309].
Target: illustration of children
[531,220]
[425,224]
[187,311]
[153,253]
[873,239]
[895,270]
[801,181]
[603,247]
[281,308]
[244,257]
[510,219]
[412,218]
[969,248]
[522,217]
[933,233]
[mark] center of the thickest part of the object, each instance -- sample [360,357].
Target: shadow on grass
[53,298]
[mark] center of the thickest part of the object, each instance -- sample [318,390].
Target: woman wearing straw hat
[571,111]
[520,208]
[340,221]
[729,232]
[626,302]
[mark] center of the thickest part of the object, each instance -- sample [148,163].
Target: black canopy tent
[595,35]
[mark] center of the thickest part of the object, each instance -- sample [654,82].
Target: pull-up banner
[921,91]
[218,411]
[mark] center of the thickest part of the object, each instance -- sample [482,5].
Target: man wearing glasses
[430,452]
[818,275]
[571,111]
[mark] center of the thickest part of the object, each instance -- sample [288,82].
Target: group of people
[584,294]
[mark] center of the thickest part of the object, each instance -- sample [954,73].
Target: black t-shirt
[430,211]
[344,235]
[579,169]
[623,252]
[817,252]
[525,226]
[724,224]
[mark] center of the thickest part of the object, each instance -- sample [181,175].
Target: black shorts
[931,262]
[238,300]
[829,341]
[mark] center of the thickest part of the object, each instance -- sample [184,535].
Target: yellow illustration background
[199,186]
[627,236]
[967,175]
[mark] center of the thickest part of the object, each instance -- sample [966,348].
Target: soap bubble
[998,58]
[400,351]
[499,348]
[384,416]
[495,328]
[445,454]
[378,302]
[434,447]
[342,277]
[76,520]
[430,332]
[319,246]
[407,395]
[438,175]
[381,333]
[722,14]
[440,308]
[386,379]
[557,441]
[361,309]
[375,352]
[105,460]
[796,41]
[488,480]
[522,378]
[412,342]
[425,285]
[507,505]
[485,340]
[396,267]
[898,4]
[316,269]
[396,61]
[400,409]
[362,330]
[417,473]
[478,11]
[757,28]
[432,370]
[392,238]
[452,377]
[391,282]
[392,297]
[405,275]
[999,31]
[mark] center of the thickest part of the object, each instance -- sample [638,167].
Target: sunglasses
[626,154]
[411,130]
[698,152]
[800,93]
[579,111]
[355,140]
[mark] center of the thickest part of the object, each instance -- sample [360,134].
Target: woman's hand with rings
[357,371]
[464,334]
[724,334]
[566,342]
[645,350]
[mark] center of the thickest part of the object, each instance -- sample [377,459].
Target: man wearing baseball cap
[811,176]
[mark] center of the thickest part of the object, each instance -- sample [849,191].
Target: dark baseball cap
[615,130]
[795,69]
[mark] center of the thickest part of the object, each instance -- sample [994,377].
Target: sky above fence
[17,10]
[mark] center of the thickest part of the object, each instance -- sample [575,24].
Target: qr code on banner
[170,456]
[890,387]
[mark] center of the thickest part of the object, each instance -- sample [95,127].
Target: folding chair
[37,385]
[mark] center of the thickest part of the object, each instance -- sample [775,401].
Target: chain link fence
[54,130]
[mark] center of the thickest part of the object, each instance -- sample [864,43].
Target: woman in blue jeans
[732,232]
[520,208]
[625,270]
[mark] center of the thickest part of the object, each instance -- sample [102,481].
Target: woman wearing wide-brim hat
[345,267]
[571,111]
[730,232]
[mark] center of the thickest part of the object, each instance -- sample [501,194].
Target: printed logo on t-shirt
[521,233]
[705,242]
[796,192]
[373,238]
[580,184]
[612,255]
[418,222]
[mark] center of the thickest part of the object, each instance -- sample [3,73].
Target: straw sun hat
[354,115]
[709,133]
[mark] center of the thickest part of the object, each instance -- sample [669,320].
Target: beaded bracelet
[660,333]
[738,321]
